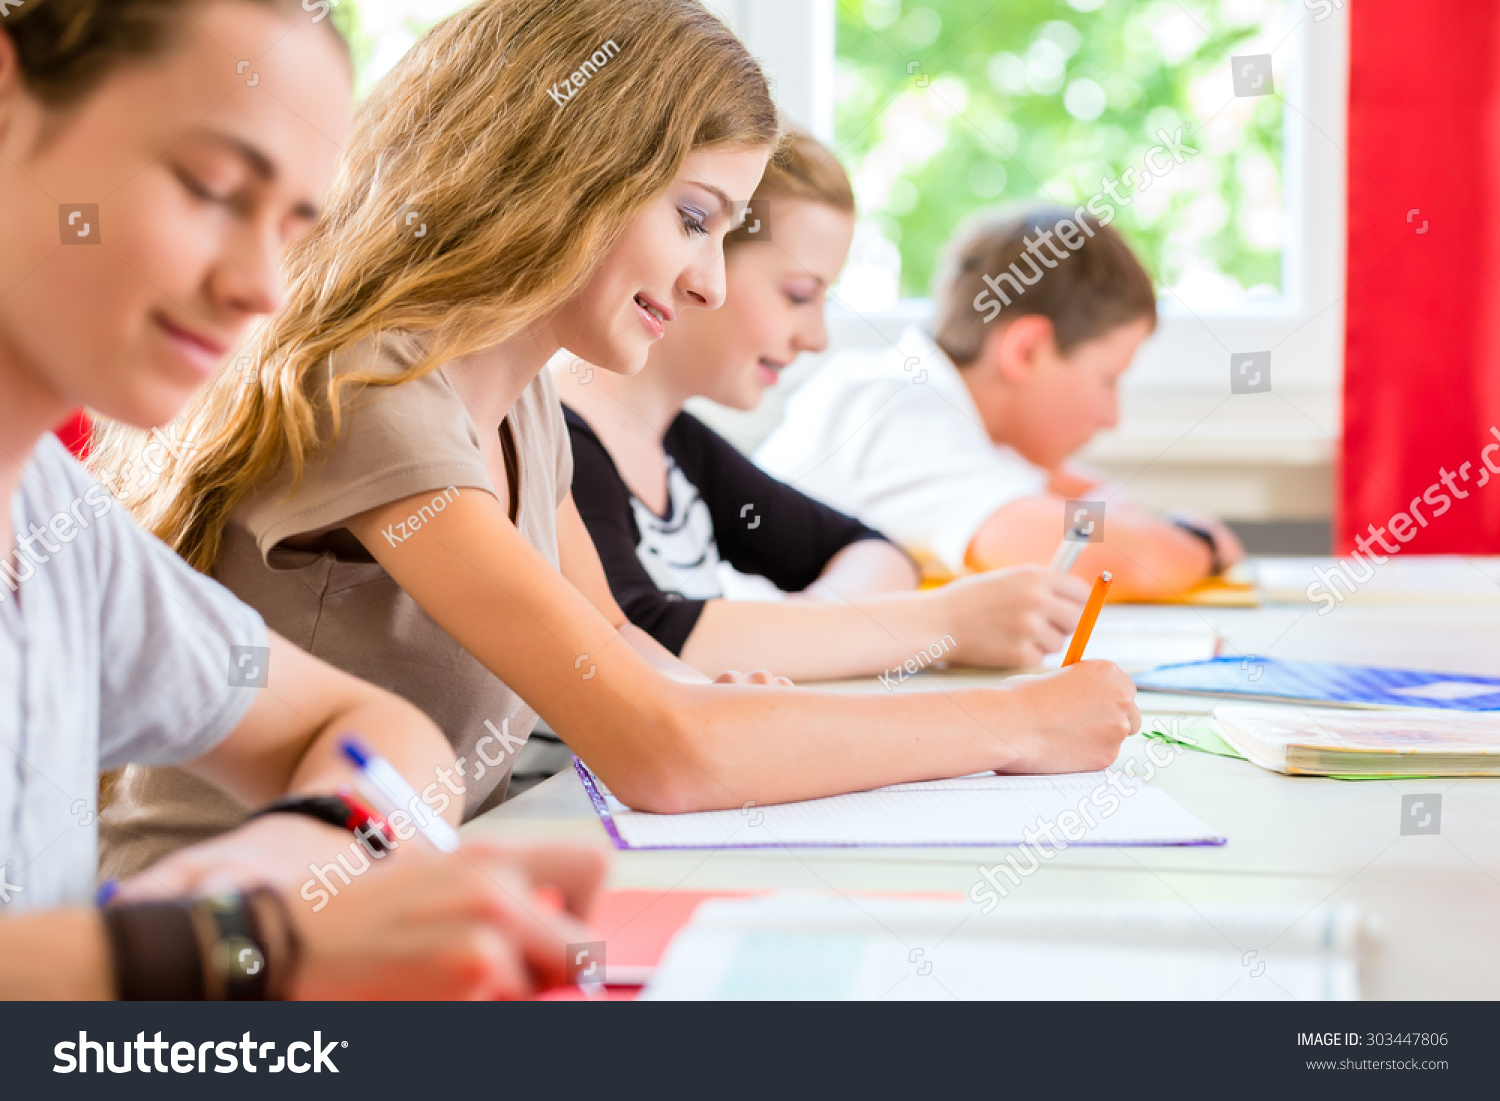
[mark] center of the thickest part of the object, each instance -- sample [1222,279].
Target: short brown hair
[68,47]
[801,168]
[1096,284]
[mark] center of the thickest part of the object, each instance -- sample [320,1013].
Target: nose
[704,283]
[246,282]
[812,336]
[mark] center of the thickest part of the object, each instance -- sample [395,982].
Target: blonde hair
[521,195]
[801,168]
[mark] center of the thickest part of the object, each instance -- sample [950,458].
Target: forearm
[724,746]
[865,568]
[393,729]
[811,640]
[660,658]
[1148,556]
[61,954]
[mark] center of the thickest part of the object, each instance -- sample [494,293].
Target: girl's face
[199,168]
[773,312]
[669,260]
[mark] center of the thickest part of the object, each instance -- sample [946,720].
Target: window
[1246,236]
[947,106]
[380,31]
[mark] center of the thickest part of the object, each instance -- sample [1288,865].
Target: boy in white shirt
[956,445]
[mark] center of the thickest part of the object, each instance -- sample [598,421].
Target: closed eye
[198,190]
[692,224]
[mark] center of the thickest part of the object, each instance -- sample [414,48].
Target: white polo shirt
[112,650]
[895,439]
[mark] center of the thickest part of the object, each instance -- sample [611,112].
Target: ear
[1015,351]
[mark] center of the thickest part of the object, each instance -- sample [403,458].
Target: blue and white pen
[387,790]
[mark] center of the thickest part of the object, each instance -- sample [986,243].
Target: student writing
[667,500]
[403,365]
[959,443]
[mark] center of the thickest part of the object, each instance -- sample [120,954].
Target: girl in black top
[669,503]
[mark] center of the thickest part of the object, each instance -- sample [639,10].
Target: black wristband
[1207,537]
[229,948]
[239,967]
[156,952]
[337,810]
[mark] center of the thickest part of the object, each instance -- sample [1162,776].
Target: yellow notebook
[1219,592]
[1230,590]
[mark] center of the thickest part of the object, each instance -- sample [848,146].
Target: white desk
[1302,840]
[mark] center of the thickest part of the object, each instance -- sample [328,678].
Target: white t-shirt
[678,551]
[895,439]
[112,650]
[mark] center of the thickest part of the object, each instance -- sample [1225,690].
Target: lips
[653,315]
[201,352]
[769,371]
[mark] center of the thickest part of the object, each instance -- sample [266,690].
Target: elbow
[677,774]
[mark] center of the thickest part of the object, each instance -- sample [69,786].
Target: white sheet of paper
[1136,645]
[842,947]
[1102,808]
[1441,578]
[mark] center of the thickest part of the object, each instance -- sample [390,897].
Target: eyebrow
[724,200]
[259,163]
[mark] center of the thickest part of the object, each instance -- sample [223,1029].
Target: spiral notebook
[1097,808]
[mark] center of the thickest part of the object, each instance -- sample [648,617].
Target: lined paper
[1090,808]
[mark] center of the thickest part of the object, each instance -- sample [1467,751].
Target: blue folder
[1258,678]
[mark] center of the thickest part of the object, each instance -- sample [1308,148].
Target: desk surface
[1434,899]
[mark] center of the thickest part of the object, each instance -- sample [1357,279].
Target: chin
[618,357]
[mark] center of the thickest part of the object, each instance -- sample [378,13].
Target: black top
[746,517]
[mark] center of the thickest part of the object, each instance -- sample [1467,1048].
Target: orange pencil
[1090,617]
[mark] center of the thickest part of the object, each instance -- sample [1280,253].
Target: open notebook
[1102,808]
[839,947]
[1316,742]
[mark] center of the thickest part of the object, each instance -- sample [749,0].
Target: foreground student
[111,648]
[425,537]
[958,444]
[666,499]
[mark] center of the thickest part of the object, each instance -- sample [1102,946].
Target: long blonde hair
[801,168]
[521,195]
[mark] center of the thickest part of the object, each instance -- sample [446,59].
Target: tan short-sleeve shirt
[329,596]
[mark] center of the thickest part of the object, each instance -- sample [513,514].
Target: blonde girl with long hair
[387,477]
[665,497]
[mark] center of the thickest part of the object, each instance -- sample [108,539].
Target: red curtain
[1422,368]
